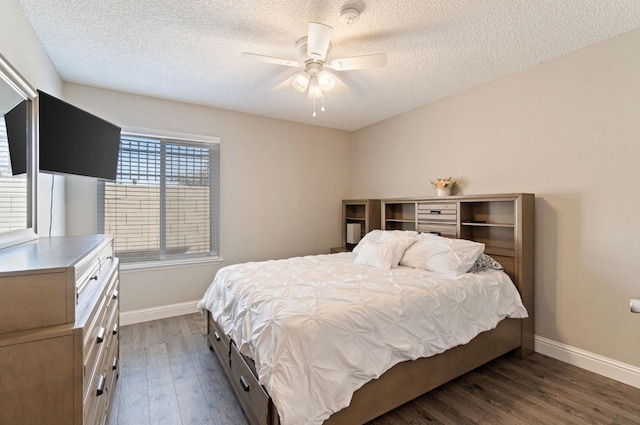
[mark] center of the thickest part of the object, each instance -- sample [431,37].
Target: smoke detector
[349,14]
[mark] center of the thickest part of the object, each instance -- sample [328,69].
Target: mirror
[18,158]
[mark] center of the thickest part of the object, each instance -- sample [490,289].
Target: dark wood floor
[169,376]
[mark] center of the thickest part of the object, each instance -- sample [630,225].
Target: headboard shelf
[485,224]
[502,252]
[504,223]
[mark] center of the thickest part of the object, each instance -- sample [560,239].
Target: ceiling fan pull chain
[314,107]
[322,98]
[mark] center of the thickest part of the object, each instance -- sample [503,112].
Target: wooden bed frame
[410,379]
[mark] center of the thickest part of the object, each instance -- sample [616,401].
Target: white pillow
[382,235]
[452,257]
[383,241]
[376,254]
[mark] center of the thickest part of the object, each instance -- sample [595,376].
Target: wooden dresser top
[47,254]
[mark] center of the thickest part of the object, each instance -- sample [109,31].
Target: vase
[443,192]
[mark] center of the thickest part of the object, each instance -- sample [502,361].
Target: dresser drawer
[113,363]
[100,327]
[111,373]
[437,212]
[90,270]
[100,376]
[252,397]
[440,229]
[94,400]
[437,206]
[93,343]
[102,383]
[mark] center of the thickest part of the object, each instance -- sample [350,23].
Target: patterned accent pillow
[484,263]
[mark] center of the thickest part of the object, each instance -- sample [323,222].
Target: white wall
[20,45]
[282,185]
[568,131]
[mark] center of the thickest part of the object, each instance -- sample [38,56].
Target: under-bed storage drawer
[252,397]
[218,342]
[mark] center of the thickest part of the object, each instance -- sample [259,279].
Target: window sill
[173,263]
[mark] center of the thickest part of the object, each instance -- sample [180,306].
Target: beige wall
[20,45]
[568,131]
[281,187]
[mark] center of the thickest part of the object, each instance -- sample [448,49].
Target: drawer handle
[115,329]
[215,334]
[95,277]
[114,365]
[245,385]
[101,383]
[436,233]
[435,212]
[100,336]
[115,295]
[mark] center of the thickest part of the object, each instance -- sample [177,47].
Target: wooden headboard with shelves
[504,223]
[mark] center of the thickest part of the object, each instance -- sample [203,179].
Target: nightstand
[338,249]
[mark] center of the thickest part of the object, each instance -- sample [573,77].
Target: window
[164,203]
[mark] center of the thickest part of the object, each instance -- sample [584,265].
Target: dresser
[58,331]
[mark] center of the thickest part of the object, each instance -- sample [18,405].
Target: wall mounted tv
[16,124]
[73,141]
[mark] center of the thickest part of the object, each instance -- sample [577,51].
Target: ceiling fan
[314,79]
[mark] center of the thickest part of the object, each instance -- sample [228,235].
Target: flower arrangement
[447,183]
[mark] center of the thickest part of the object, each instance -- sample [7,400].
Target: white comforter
[320,327]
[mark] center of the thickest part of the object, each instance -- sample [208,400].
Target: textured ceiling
[190,50]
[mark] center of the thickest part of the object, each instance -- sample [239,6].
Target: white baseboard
[604,366]
[155,313]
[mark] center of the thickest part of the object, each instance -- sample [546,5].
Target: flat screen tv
[73,141]
[16,123]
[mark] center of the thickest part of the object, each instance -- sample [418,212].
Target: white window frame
[214,211]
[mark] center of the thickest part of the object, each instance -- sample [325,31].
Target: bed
[344,338]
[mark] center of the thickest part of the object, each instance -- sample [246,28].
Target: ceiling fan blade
[285,84]
[340,86]
[318,40]
[270,59]
[377,60]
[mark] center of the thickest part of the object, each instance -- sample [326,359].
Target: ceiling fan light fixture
[326,80]
[315,91]
[301,81]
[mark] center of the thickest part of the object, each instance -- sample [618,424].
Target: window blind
[164,203]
